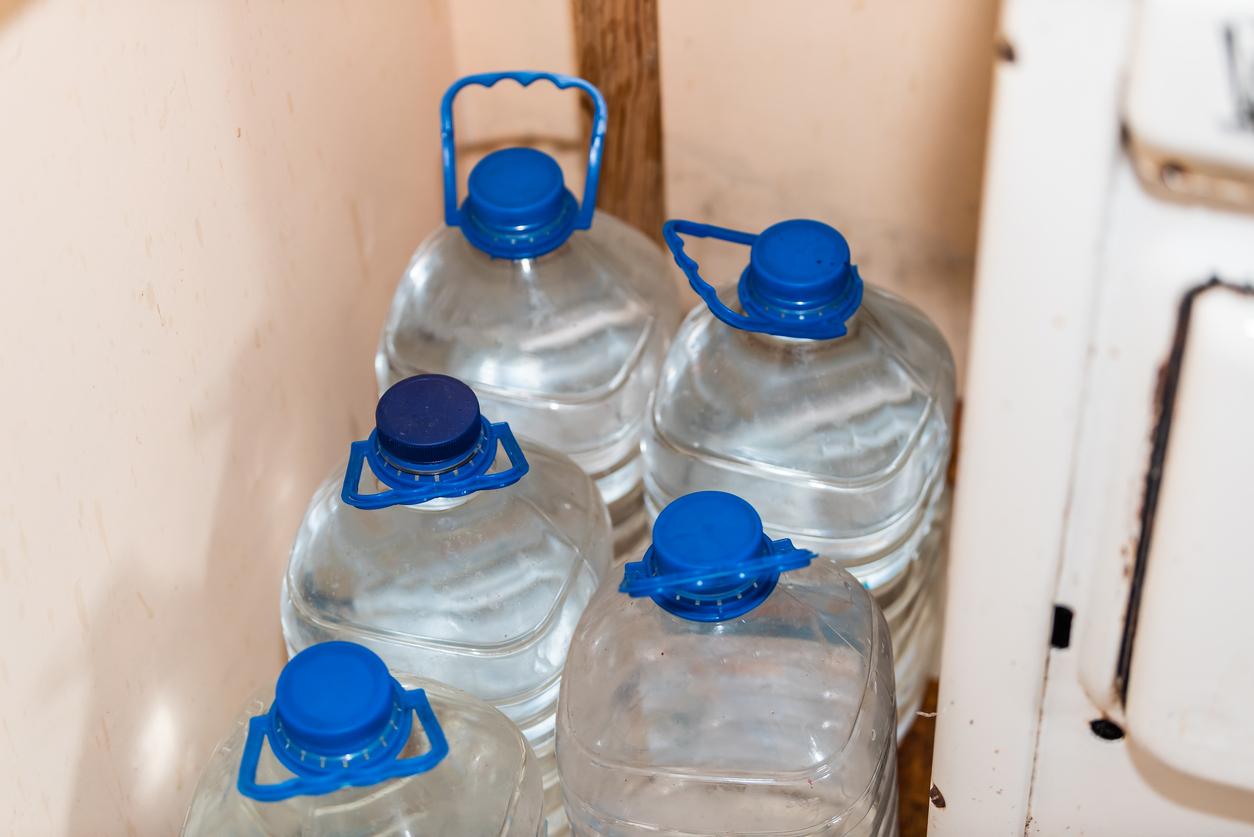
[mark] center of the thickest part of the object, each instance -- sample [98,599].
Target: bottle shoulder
[659,693]
[849,411]
[429,574]
[570,323]
[489,777]
[555,491]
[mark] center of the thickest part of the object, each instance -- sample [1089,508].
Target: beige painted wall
[493,35]
[204,208]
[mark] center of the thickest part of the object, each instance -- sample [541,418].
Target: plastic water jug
[729,685]
[827,404]
[455,553]
[343,748]
[557,316]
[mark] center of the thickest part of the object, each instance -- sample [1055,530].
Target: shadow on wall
[337,216]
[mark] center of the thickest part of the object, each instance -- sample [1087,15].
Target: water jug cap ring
[710,560]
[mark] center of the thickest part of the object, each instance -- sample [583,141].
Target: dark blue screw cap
[517,204]
[797,266]
[334,698]
[428,419]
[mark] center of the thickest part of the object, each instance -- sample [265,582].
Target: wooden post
[617,46]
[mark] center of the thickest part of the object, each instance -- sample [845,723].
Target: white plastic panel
[1043,221]
[1192,675]
[1153,253]
[1061,403]
[1191,84]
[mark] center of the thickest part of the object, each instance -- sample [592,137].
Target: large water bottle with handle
[825,402]
[557,316]
[342,747]
[731,684]
[456,553]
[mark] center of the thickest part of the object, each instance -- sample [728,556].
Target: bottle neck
[440,504]
[436,504]
[522,268]
[801,344]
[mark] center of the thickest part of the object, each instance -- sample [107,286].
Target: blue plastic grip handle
[671,232]
[452,214]
[409,494]
[364,774]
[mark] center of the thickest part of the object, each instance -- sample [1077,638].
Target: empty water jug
[558,317]
[344,748]
[729,685]
[828,405]
[455,553]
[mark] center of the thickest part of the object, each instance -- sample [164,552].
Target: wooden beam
[617,46]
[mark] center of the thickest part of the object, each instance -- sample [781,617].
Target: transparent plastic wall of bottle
[339,746]
[828,404]
[731,684]
[455,552]
[557,315]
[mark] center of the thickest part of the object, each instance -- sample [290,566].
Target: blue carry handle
[826,325]
[407,488]
[452,214]
[368,767]
[671,232]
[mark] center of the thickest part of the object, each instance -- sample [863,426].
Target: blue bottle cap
[428,420]
[338,720]
[335,698]
[430,442]
[704,531]
[517,204]
[798,268]
[516,187]
[710,559]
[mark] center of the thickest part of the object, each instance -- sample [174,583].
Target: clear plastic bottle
[828,405]
[558,317]
[737,688]
[454,554]
[346,749]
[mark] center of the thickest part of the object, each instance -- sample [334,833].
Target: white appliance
[1098,665]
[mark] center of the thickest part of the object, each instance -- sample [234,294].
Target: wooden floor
[914,770]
